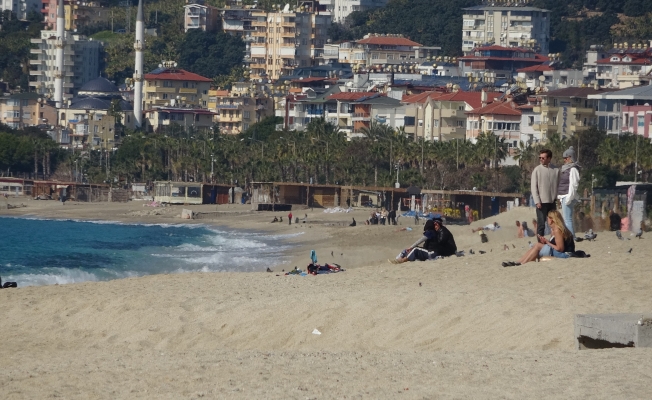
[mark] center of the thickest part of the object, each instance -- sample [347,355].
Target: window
[436,123]
[185,84]
[408,121]
[167,84]
[245,114]
[420,122]
[25,102]
[460,123]
[530,121]
[640,121]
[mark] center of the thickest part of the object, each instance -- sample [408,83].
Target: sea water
[42,252]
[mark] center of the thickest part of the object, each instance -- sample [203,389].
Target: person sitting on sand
[558,246]
[437,241]
[490,227]
[274,220]
[519,230]
[527,232]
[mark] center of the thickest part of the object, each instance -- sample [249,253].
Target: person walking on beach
[569,180]
[545,181]
[290,218]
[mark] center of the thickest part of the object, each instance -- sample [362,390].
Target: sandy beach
[461,327]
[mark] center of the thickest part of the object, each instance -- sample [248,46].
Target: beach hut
[178,192]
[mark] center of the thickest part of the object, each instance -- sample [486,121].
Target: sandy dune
[462,327]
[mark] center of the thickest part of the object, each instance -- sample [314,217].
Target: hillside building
[81,62]
[169,86]
[507,26]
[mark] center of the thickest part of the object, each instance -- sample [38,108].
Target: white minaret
[59,43]
[138,70]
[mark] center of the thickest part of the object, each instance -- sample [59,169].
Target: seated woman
[560,243]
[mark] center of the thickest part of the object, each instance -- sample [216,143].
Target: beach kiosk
[178,192]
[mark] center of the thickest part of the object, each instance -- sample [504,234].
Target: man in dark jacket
[437,241]
[443,243]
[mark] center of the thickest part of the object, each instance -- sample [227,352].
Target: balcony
[450,113]
[187,91]
[361,117]
[545,109]
[36,72]
[581,110]
[544,126]
[453,130]
[35,51]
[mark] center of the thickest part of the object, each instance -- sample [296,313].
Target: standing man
[290,218]
[569,180]
[545,180]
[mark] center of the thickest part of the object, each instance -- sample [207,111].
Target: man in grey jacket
[545,181]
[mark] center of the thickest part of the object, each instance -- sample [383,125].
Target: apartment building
[20,110]
[625,66]
[21,8]
[441,116]
[340,9]
[566,111]
[81,62]
[171,86]
[280,41]
[160,118]
[612,105]
[353,112]
[239,108]
[77,14]
[547,76]
[506,26]
[491,63]
[379,49]
[503,118]
[197,15]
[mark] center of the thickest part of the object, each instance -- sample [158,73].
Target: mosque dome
[99,87]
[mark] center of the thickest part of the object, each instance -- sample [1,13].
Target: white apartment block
[21,8]
[506,26]
[340,9]
[81,62]
[197,15]
[281,41]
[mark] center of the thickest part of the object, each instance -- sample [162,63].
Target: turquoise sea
[43,252]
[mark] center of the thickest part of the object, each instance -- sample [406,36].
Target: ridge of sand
[459,327]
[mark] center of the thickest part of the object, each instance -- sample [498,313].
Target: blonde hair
[559,222]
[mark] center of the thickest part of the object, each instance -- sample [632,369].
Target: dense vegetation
[14,47]
[321,154]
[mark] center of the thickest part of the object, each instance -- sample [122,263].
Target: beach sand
[462,327]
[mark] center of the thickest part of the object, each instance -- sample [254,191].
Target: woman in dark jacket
[437,241]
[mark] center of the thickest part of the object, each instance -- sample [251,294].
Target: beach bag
[578,254]
[9,285]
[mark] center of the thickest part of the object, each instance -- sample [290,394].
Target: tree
[209,54]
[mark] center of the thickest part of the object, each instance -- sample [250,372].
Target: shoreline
[461,327]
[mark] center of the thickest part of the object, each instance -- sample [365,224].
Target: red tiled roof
[641,61]
[388,41]
[350,95]
[177,75]
[310,79]
[474,99]
[536,68]
[497,108]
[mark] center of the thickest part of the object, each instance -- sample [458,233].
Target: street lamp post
[212,161]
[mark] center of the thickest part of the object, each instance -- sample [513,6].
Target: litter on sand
[316,332]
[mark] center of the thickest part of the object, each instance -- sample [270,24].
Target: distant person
[290,218]
[545,181]
[274,220]
[558,246]
[490,227]
[519,230]
[353,223]
[614,221]
[569,180]
[527,232]
[392,217]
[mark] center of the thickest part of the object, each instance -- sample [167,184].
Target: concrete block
[599,331]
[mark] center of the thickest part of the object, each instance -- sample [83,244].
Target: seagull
[590,235]
[482,252]
[619,235]
[331,254]
[513,245]
[630,251]
[506,247]
[471,251]
[639,234]
[420,284]
[460,253]
[269,270]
